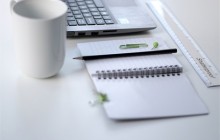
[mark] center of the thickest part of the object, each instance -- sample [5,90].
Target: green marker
[129,46]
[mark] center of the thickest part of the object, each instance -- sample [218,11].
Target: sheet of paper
[153,97]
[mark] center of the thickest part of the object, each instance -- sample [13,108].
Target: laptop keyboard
[87,12]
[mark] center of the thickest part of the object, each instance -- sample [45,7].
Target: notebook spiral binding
[139,72]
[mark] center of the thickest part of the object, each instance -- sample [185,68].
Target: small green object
[129,46]
[155,45]
[102,97]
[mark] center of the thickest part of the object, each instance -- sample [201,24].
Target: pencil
[105,56]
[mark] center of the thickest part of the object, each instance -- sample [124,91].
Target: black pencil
[153,52]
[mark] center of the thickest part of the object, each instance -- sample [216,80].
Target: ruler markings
[200,62]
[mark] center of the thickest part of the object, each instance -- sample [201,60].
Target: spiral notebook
[140,87]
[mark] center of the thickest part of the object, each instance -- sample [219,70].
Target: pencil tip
[77,58]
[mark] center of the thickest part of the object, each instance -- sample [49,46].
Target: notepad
[141,87]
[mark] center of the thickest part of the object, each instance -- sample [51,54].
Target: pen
[104,56]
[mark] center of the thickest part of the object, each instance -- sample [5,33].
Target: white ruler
[200,62]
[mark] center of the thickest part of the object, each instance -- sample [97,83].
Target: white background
[58,109]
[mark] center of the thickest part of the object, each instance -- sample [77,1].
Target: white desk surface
[58,109]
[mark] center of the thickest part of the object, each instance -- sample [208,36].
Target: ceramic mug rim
[62,7]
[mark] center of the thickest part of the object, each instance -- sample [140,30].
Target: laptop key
[71,0]
[104,13]
[69,14]
[106,17]
[91,6]
[93,9]
[81,22]
[69,11]
[72,4]
[74,8]
[89,2]
[71,18]
[90,21]
[81,3]
[87,15]
[83,7]
[109,22]
[72,23]
[100,21]
[102,9]
[78,16]
[97,17]
[85,11]
[98,3]
[95,13]
[76,12]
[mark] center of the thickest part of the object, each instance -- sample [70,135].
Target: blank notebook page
[153,96]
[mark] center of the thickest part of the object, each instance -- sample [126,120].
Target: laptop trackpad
[129,15]
[119,3]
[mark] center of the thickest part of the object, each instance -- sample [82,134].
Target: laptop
[106,17]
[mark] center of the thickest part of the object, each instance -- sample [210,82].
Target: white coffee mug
[39,36]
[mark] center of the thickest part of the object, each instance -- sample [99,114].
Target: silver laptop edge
[129,17]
